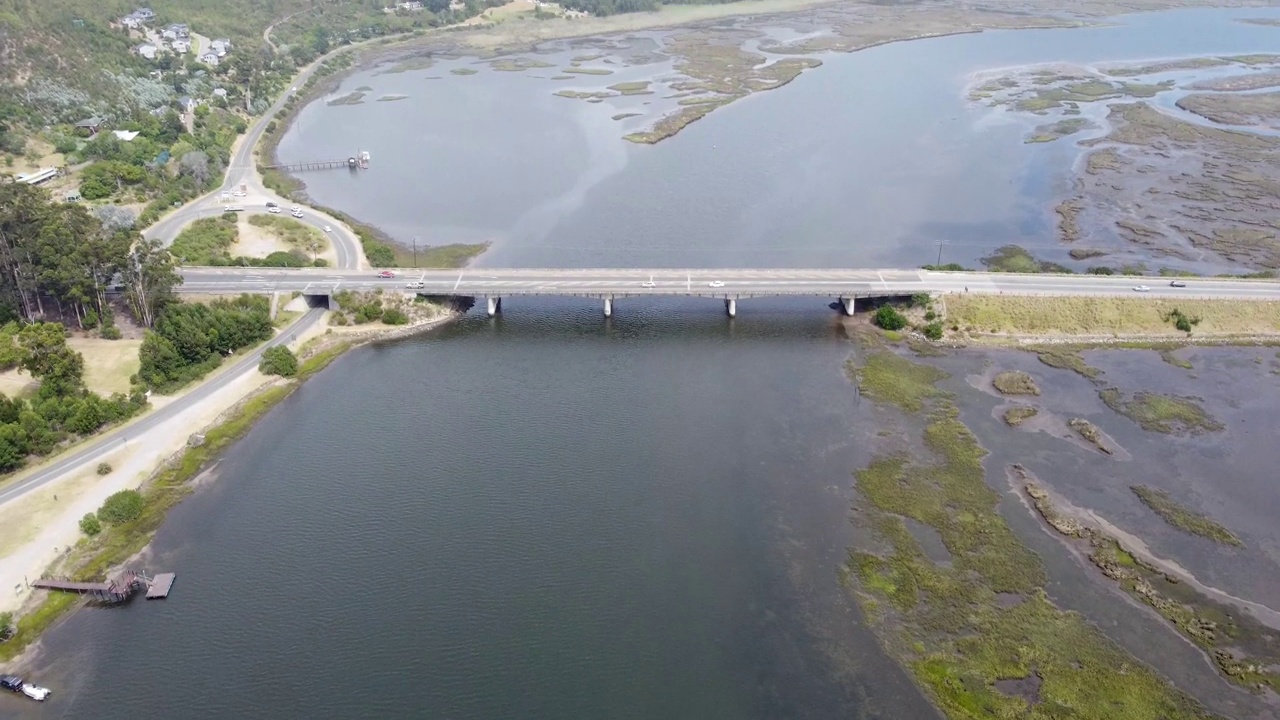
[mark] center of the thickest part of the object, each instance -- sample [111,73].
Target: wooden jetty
[359,161]
[115,590]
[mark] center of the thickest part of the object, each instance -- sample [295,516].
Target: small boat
[35,692]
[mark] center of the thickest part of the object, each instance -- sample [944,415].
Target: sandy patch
[255,241]
[107,363]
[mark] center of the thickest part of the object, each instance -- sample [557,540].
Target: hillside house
[89,126]
[133,22]
[186,104]
[125,135]
[147,50]
[181,46]
[209,58]
[144,14]
[220,46]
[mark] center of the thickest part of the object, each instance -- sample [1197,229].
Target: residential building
[181,46]
[220,92]
[179,30]
[147,50]
[125,135]
[144,14]
[90,125]
[220,46]
[186,104]
[133,22]
[209,58]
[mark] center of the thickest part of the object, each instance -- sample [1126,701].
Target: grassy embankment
[92,558]
[1111,316]
[1244,649]
[979,634]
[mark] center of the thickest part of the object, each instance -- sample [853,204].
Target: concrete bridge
[728,285]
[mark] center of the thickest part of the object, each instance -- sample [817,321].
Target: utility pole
[940,243]
[415,251]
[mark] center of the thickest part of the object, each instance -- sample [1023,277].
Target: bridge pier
[731,307]
[847,304]
[495,305]
[608,307]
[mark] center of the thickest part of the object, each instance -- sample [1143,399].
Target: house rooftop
[89,122]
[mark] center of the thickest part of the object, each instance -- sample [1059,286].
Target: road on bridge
[724,283]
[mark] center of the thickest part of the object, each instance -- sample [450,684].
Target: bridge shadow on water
[556,319]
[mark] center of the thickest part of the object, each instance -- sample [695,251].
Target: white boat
[35,692]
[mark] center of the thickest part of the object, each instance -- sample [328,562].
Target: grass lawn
[107,363]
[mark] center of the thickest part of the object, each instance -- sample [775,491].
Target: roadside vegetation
[1115,316]
[1180,517]
[279,360]
[208,241]
[976,632]
[190,340]
[389,308]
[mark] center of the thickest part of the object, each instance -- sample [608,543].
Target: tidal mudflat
[1059,564]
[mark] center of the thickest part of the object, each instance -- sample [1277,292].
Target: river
[550,515]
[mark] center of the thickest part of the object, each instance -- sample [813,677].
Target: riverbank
[162,464]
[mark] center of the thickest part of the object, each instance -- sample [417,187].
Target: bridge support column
[731,307]
[847,304]
[495,305]
[608,307]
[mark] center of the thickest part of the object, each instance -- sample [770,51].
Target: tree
[122,507]
[13,446]
[150,279]
[889,318]
[279,360]
[115,218]
[196,165]
[47,357]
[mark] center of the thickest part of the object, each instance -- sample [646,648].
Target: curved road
[243,171]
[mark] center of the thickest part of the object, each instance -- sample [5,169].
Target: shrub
[889,318]
[104,469]
[921,300]
[90,525]
[1100,270]
[394,316]
[930,316]
[121,507]
[279,360]
[6,625]
[110,333]
[933,331]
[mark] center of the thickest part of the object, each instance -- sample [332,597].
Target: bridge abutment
[847,304]
[608,307]
[731,307]
[494,305]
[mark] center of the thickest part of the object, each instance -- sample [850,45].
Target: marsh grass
[1167,414]
[1018,414]
[1013,382]
[951,625]
[1094,316]
[1182,518]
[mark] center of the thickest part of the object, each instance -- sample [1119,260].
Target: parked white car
[273,210]
[715,283]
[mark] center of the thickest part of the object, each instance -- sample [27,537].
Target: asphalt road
[94,449]
[709,283]
[243,172]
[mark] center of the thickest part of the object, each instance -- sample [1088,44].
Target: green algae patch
[639,87]
[1018,414]
[1013,382]
[1245,650]
[1182,518]
[587,71]
[952,624]
[464,71]
[517,64]
[890,378]
[1167,414]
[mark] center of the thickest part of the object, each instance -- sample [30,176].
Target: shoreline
[179,472]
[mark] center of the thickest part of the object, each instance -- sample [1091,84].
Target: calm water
[553,516]
[868,161]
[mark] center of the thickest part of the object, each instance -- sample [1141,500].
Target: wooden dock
[359,161]
[160,586]
[115,590]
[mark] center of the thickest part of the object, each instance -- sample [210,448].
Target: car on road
[386,274]
[233,208]
[328,229]
[240,193]
[272,204]
[12,683]
[415,285]
[296,213]
[1177,283]
[273,210]
[715,283]
[1141,288]
[648,284]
